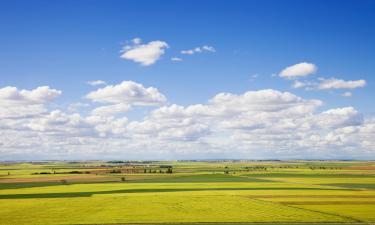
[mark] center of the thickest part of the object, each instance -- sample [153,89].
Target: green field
[186,192]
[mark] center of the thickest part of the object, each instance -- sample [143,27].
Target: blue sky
[65,44]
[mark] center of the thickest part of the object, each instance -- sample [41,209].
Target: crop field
[188,192]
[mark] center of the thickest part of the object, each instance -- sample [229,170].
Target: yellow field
[277,195]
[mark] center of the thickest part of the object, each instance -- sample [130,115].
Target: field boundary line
[237,223]
[328,213]
[310,210]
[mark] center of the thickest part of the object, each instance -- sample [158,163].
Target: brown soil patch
[361,168]
[59,178]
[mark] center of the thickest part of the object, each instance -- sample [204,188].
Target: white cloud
[299,84]
[137,41]
[145,54]
[263,100]
[24,103]
[96,82]
[111,110]
[187,52]
[176,59]
[347,94]
[255,124]
[204,48]
[224,112]
[128,92]
[298,70]
[208,48]
[328,84]
[58,122]
[75,106]
[340,117]
[38,95]
[334,83]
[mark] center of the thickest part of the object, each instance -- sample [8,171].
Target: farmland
[188,192]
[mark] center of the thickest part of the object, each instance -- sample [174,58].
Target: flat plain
[187,192]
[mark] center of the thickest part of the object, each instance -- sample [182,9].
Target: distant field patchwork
[187,192]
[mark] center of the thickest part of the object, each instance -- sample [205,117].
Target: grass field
[222,192]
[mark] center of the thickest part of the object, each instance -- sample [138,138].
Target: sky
[168,80]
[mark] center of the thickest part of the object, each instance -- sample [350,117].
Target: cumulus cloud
[111,110]
[298,70]
[38,95]
[263,100]
[224,112]
[56,122]
[255,124]
[128,92]
[23,103]
[96,82]
[75,106]
[339,117]
[144,54]
[204,48]
[299,84]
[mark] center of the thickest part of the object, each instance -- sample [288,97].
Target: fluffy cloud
[204,48]
[340,117]
[58,122]
[35,96]
[145,54]
[128,92]
[119,99]
[334,83]
[111,110]
[299,84]
[298,70]
[266,119]
[255,124]
[263,100]
[224,112]
[24,103]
